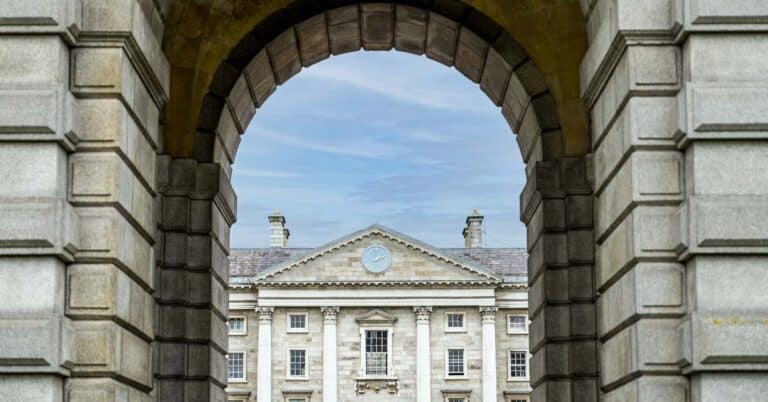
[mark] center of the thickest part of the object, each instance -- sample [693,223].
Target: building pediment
[340,263]
[376,317]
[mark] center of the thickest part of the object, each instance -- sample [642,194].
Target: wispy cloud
[401,87]
[361,147]
[276,174]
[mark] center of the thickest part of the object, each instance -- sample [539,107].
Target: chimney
[278,233]
[473,232]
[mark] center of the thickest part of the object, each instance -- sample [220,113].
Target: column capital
[265,313]
[488,314]
[330,314]
[422,314]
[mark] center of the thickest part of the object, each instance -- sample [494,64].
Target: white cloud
[362,146]
[275,174]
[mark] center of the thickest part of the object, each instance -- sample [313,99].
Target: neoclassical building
[378,316]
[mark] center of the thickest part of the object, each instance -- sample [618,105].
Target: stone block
[726,57]
[650,289]
[650,389]
[41,16]
[528,134]
[551,360]
[548,216]
[579,212]
[531,78]
[550,251]
[471,51]
[106,124]
[410,29]
[227,135]
[712,15]
[724,341]
[441,38]
[641,71]
[344,29]
[284,53]
[643,122]
[103,390]
[552,390]
[715,224]
[31,285]
[40,114]
[583,355]
[260,78]
[546,110]
[646,234]
[711,281]
[35,343]
[713,387]
[38,227]
[515,103]
[377,26]
[95,291]
[126,18]
[104,178]
[176,213]
[240,103]
[551,324]
[106,236]
[646,177]
[581,285]
[32,61]
[31,388]
[549,288]
[102,72]
[103,347]
[313,40]
[647,346]
[32,171]
[581,245]
[727,168]
[722,113]
[496,75]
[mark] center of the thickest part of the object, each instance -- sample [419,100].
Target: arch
[553,35]
[483,53]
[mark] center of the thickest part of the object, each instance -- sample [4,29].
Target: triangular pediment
[376,317]
[413,263]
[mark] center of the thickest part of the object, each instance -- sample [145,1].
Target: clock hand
[379,258]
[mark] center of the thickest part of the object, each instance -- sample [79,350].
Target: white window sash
[363,363]
[245,368]
[447,360]
[303,330]
[511,330]
[241,331]
[527,365]
[288,374]
[463,327]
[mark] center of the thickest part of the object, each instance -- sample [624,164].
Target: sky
[378,137]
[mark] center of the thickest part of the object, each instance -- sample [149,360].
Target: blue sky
[378,137]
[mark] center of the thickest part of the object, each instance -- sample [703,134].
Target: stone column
[423,363]
[488,316]
[264,364]
[330,370]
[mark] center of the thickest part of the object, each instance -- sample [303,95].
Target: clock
[376,258]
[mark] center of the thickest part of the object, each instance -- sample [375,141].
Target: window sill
[517,332]
[456,377]
[297,331]
[237,334]
[296,378]
[517,379]
[455,330]
[237,380]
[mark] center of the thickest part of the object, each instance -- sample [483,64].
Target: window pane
[236,324]
[517,323]
[235,366]
[456,362]
[298,321]
[376,349]
[518,362]
[455,320]
[298,360]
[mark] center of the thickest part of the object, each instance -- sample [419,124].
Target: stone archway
[556,204]
[664,194]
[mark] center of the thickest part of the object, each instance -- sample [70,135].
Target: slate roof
[507,263]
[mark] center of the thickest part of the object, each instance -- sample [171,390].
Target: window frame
[527,365]
[513,331]
[448,397]
[245,367]
[363,362]
[244,331]
[294,398]
[463,327]
[449,376]
[518,398]
[290,330]
[288,375]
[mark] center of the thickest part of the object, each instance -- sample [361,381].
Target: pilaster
[488,370]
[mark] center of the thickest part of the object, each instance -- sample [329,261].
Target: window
[454,322]
[455,363]
[297,363]
[517,324]
[456,399]
[236,325]
[236,366]
[297,322]
[518,364]
[376,352]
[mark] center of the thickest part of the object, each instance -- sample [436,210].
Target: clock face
[376,258]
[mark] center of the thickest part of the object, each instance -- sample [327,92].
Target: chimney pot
[473,232]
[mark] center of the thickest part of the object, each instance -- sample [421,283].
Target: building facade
[378,316]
